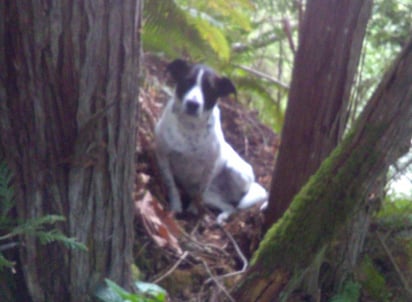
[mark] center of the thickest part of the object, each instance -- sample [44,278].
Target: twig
[216,281]
[8,246]
[239,252]
[395,265]
[263,76]
[172,269]
[287,28]
[257,43]
[194,229]
[206,247]
[237,248]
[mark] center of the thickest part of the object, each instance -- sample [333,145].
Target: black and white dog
[191,150]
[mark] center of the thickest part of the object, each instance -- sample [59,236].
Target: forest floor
[191,257]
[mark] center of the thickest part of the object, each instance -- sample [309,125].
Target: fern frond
[214,37]
[56,236]
[36,227]
[4,262]
[175,32]
[33,226]
[233,12]
[270,112]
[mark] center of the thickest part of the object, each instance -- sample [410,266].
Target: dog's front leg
[215,200]
[169,181]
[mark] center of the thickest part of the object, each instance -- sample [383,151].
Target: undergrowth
[146,292]
[12,228]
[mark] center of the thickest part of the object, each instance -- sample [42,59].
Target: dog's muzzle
[192,108]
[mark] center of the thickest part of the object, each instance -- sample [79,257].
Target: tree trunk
[381,135]
[68,91]
[329,50]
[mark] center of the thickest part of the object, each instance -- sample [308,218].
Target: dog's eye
[184,86]
[209,94]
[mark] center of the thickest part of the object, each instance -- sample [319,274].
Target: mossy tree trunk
[68,104]
[330,42]
[382,134]
[331,37]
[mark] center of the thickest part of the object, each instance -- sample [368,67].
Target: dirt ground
[191,257]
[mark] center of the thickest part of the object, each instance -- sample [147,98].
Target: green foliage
[373,281]
[259,96]
[396,213]
[146,292]
[11,229]
[391,23]
[230,13]
[176,32]
[228,34]
[4,262]
[389,28]
[349,293]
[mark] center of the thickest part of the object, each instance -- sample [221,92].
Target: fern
[37,227]
[146,292]
[56,235]
[32,226]
[40,227]
[226,11]
[167,29]
[4,262]
[176,32]
[214,37]
[270,112]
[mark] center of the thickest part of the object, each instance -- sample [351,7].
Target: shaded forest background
[256,48]
[255,45]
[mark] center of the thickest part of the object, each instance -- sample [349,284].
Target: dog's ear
[178,69]
[225,87]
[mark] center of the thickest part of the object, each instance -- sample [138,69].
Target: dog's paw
[222,217]
[264,206]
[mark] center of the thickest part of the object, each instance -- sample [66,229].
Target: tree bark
[68,91]
[381,135]
[329,50]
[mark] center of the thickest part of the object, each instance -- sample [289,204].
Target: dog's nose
[192,107]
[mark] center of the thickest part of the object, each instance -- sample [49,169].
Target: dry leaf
[160,225]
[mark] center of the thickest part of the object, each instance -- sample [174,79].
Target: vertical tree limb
[329,50]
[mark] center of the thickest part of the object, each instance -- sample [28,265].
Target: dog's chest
[192,156]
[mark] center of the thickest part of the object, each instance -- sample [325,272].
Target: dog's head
[198,87]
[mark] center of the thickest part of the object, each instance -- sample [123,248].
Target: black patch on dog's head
[178,69]
[213,86]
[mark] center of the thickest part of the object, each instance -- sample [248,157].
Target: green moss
[321,207]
